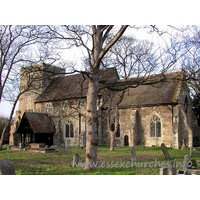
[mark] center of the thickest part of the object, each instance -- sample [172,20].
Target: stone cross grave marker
[76,160]
[7,167]
[165,151]
[172,168]
[133,155]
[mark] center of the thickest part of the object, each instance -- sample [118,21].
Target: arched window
[155,126]
[69,130]
[118,129]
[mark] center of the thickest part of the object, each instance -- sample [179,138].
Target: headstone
[133,155]
[76,160]
[183,147]
[7,167]
[83,139]
[186,172]
[21,145]
[172,168]
[185,162]
[165,151]
[67,144]
[191,151]
[163,171]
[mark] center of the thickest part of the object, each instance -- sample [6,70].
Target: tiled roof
[39,123]
[73,86]
[151,94]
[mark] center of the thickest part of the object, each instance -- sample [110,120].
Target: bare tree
[94,40]
[132,58]
[97,41]
[14,49]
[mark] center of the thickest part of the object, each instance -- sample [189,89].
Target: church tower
[34,80]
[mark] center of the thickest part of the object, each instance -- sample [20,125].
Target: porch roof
[37,122]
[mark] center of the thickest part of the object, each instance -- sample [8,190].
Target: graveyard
[123,160]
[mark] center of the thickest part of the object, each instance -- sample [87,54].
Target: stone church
[52,111]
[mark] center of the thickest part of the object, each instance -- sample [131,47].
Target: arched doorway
[126,141]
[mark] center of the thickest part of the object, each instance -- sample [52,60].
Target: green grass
[59,163]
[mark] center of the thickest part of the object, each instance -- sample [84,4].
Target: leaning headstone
[172,168]
[68,144]
[76,160]
[183,147]
[165,151]
[7,167]
[163,171]
[133,155]
[185,162]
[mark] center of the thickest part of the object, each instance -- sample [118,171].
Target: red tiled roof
[39,123]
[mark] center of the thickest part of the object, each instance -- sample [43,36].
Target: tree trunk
[6,128]
[93,88]
[91,123]
[112,133]
[112,140]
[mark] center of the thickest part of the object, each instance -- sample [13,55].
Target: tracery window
[155,126]
[69,130]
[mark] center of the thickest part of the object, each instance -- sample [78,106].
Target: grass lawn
[117,162]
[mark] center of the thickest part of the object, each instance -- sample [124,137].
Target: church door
[126,141]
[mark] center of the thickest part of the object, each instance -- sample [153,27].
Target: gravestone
[133,155]
[172,168]
[7,167]
[183,147]
[83,139]
[67,144]
[191,151]
[163,171]
[21,145]
[186,162]
[165,151]
[76,160]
